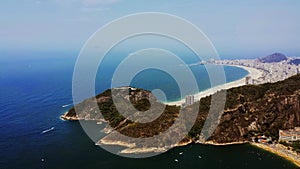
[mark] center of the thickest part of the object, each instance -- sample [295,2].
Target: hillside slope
[249,110]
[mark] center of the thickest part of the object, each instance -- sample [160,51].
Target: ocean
[35,91]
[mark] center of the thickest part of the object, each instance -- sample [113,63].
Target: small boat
[199,157]
[46,131]
[180,153]
[176,160]
[66,105]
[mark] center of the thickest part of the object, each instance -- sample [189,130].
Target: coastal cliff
[250,110]
[254,110]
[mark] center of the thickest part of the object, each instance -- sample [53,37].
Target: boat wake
[46,131]
[67,105]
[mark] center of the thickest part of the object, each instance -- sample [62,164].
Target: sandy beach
[254,73]
[223,144]
[280,150]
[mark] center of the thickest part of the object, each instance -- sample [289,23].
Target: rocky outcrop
[103,108]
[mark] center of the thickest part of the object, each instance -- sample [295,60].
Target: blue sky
[236,28]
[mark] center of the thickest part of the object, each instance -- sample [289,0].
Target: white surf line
[254,73]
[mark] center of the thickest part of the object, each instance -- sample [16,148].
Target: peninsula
[251,111]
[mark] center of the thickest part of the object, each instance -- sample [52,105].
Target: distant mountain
[276,57]
[295,62]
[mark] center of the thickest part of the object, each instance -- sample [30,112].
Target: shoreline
[131,147]
[64,117]
[276,149]
[254,73]
[281,151]
[223,144]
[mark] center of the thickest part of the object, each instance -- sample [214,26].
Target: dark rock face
[276,57]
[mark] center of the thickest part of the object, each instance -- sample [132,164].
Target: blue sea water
[33,92]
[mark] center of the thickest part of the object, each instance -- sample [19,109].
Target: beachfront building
[290,135]
[189,100]
[270,72]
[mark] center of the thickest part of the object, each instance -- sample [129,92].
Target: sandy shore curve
[254,73]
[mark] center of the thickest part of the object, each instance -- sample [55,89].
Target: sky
[251,28]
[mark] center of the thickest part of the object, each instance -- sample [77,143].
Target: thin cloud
[87,3]
[93,3]
[98,9]
[79,19]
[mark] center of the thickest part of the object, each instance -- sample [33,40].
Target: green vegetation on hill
[249,110]
[254,110]
[139,99]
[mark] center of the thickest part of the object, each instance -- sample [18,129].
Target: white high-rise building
[247,80]
[189,100]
